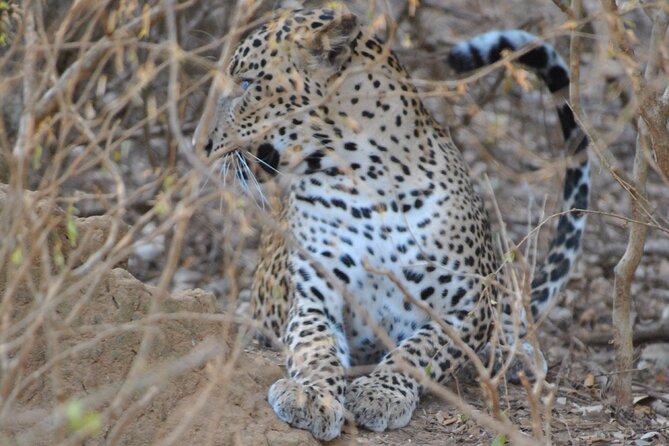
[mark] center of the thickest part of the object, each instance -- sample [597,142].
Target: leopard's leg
[387,397]
[312,397]
[512,332]
[271,291]
[553,274]
[515,331]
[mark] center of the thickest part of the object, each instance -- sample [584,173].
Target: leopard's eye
[245,83]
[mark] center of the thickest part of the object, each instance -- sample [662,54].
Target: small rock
[592,412]
[245,295]
[589,380]
[244,310]
[561,315]
[218,287]
[587,317]
[663,268]
[655,355]
[151,250]
[600,287]
[185,279]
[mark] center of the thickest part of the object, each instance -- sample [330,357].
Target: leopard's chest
[381,253]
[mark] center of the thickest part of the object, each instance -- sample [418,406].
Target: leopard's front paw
[307,407]
[382,401]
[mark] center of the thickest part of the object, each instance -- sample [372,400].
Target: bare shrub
[99,175]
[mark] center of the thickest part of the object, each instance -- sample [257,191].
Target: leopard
[380,255]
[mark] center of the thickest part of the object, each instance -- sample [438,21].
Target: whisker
[224,169]
[249,172]
[263,199]
[206,181]
[223,173]
[262,162]
[240,167]
[235,177]
[243,175]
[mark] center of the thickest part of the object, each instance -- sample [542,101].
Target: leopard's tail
[542,58]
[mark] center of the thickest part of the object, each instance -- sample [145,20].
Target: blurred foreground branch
[90,59]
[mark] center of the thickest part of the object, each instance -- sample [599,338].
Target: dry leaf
[593,440]
[589,380]
[641,409]
[451,420]
[587,316]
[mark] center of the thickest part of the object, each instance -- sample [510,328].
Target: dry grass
[99,104]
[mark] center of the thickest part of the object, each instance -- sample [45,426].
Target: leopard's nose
[208,148]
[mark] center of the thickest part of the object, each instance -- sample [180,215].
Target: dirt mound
[127,375]
[101,357]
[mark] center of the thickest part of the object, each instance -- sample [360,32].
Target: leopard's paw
[307,407]
[382,401]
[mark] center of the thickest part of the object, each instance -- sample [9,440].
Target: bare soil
[199,378]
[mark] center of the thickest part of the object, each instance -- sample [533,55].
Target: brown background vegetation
[89,352]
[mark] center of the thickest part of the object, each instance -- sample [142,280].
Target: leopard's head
[279,82]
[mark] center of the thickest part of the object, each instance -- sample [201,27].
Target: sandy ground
[219,397]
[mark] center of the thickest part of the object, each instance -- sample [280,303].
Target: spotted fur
[551,276]
[375,194]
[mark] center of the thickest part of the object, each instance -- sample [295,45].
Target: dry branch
[626,267]
[655,332]
[87,63]
[84,113]
[652,105]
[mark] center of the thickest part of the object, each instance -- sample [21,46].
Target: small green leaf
[277,292]
[631,24]
[74,411]
[58,257]
[509,256]
[428,369]
[91,422]
[78,421]
[37,156]
[17,256]
[162,207]
[168,182]
[500,440]
[146,23]
[488,280]
[71,227]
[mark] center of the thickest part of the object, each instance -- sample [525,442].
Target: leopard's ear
[331,44]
